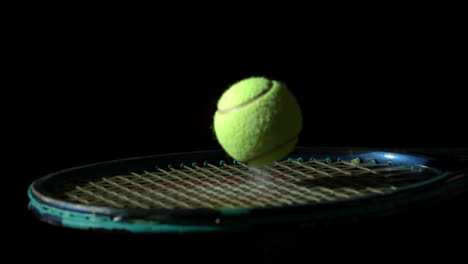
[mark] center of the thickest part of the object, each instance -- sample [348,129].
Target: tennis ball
[258,121]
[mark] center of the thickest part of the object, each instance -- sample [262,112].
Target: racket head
[431,179]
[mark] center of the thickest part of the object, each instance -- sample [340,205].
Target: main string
[240,186]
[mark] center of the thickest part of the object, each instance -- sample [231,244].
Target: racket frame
[135,220]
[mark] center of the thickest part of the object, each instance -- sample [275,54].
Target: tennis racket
[209,192]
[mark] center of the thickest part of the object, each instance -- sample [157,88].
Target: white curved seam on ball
[272,150]
[219,111]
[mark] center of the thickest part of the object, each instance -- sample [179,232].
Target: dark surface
[418,236]
[89,89]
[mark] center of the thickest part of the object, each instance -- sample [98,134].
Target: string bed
[238,186]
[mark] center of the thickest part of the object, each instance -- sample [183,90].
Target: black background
[102,85]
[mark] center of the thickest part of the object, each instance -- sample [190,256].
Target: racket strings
[239,186]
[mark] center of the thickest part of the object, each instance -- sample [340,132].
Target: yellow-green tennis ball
[258,121]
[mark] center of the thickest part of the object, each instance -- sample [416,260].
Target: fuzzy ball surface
[258,121]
